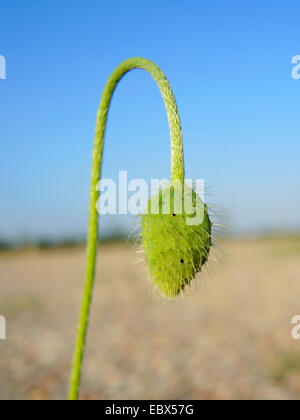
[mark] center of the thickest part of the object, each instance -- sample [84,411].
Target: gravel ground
[229,338]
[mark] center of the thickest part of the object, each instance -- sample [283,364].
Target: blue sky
[229,64]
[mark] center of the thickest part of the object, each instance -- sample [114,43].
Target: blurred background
[230,66]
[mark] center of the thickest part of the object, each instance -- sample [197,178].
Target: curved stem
[177,172]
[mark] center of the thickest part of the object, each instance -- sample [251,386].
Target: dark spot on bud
[182,261]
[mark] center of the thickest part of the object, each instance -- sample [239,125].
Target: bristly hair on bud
[176,243]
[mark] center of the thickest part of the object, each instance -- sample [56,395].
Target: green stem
[177,172]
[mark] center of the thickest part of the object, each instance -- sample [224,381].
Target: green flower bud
[176,242]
